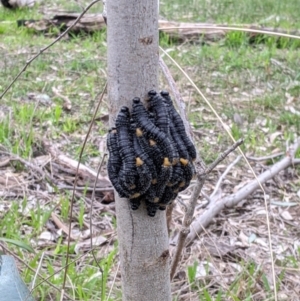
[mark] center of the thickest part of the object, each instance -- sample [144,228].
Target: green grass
[268,13]
[238,77]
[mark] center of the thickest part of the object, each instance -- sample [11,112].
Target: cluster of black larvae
[150,155]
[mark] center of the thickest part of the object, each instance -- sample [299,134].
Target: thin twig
[248,164]
[217,204]
[91,213]
[224,175]
[257,159]
[232,28]
[202,171]
[232,200]
[202,174]
[47,47]
[75,184]
[222,156]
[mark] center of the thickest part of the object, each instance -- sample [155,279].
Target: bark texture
[132,37]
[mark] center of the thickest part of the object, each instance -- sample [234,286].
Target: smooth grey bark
[132,37]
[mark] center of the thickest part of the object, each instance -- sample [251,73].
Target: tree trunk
[132,37]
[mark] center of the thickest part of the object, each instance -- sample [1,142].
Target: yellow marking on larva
[152,142]
[154,181]
[176,190]
[169,184]
[139,161]
[166,163]
[135,195]
[184,162]
[156,200]
[132,187]
[181,184]
[139,132]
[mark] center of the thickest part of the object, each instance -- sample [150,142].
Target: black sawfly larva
[141,117]
[125,143]
[177,121]
[157,105]
[151,208]
[114,163]
[150,153]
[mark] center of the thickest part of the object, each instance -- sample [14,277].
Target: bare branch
[222,156]
[202,174]
[217,205]
[257,159]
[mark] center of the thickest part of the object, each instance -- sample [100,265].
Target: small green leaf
[18,243]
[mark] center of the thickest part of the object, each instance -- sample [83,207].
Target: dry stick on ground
[179,30]
[232,28]
[202,174]
[30,165]
[264,158]
[47,47]
[217,205]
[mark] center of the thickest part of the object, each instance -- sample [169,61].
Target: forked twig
[202,171]
[250,167]
[232,200]
[47,47]
[202,174]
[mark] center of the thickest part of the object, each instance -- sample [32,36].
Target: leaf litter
[237,237]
